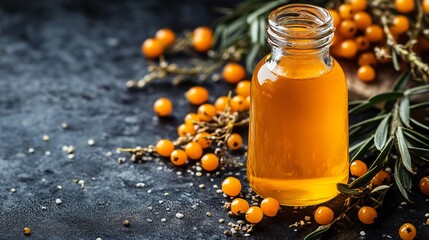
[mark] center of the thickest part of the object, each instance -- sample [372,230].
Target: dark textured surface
[67,61]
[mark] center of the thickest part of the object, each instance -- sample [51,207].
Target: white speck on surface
[149,191]
[58,201]
[59,187]
[307,218]
[47,153]
[91,142]
[12,190]
[44,208]
[45,138]
[163,220]
[81,183]
[64,125]
[218,190]
[109,153]
[362,233]
[31,150]
[70,156]
[403,203]
[178,173]
[180,215]
[166,194]
[209,214]
[149,220]
[160,201]
[202,186]
[150,208]
[140,185]
[98,239]
[198,174]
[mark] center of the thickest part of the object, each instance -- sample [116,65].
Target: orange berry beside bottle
[197,95]
[366,73]
[346,11]
[400,24]
[347,28]
[323,215]
[231,186]
[362,20]
[367,58]
[209,162]
[374,33]
[424,185]
[358,168]
[407,231]
[348,49]
[178,157]
[358,5]
[233,73]
[206,112]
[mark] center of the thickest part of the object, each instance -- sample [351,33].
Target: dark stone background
[68,61]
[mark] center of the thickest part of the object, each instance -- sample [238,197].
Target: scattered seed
[91,142]
[58,201]
[167,209]
[362,233]
[150,208]
[221,220]
[44,208]
[202,186]
[403,203]
[109,153]
[160,202]
[178,173]
[81,183]
[219,191]
[209,214]
[140,185]
[163,220]
[98,238]
[64,125]
[70,156]
[149,220]
[198,174]
[180,215]
[215,186]
[45,138]
[70,149]
[126,223]
[31,150]
[59,187]
[227,233]
[427,215]
[12,190]
[27,230]
[166,194]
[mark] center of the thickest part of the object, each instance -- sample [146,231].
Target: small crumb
[167,209]
[70,156]
[403,203]
[150,208]
[178,173]
[202,186]
[198,174]
[98,238]
[44,208]
[149,191]
[227,232]
[180,215]
[70,149]
[149,220]
[166,194]
[91,142]
[160,201]
[209,214]
[58,201]
[126,223]
[215,186]
[64,125]
[427,215]
[307,218]
[12,190]
[191,184]
[109,153]
[221,220]
[163,220]
[45,138]
[140,185]
[31,150]
[65,148]
[219,191]
[47,153]
[81,183]
[362,233]
[27,230]
[59,187]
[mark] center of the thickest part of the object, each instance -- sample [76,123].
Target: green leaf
[395,61]
[420,105]
[380,188]
[254,30]
[317,233]
[368,122]
[417,90]
[404,111]
[363,149]
[262,30]
[403,150]
[402,81]
[344,188]
[419,124]
[374,100]
[264,9]
[421,152]
[356,146]
[380,136]
[418,135]
[251,57]
[414,140]
[402,179]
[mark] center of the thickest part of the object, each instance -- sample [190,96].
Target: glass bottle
[298,135]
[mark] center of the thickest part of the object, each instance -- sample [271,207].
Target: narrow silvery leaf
[404,111]
[402,179]
[403,150]
[380,136]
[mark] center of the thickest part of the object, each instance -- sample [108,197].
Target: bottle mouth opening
[300,26]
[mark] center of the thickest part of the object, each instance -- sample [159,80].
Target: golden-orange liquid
[298,136]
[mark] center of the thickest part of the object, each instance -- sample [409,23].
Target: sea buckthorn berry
[185,129]
[367,215]
[424,185]
[164,147]
[367,58]
[407,231]
[234,141]
[362,43]
[254,214]
[400,24]
[362,20]
[358,168]
[221,103]
[206,112]
[270,206]
[248,101]
[381,178]
[337,39]
[166,36]
[404,6]
[231,186]
[323,215]
[425,5]
[233,73]
[152,48]
[27,230]
[238,103]
[374,33]
[178,157]
[197,95]
[346,11]
[191,118]
[194,150]
[243,88]
[366,73]
[209,162]
[358,5]
[163,107]
[335,16]
[239,206]
[348,28]
[202,39]
[202,140]
[348,49]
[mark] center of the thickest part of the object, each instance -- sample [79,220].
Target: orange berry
[209,162]
[367,215]
[362,43]
[202,140]
[374,33]
[323,215]
[239,206]
[185,129]
[235,141]
[152,48]
[164,147]
[248,101]
[254,214]
[358,168]
[191,118]
[233,73]
[404,6]
[163,107]
[197,95]
[425,5]
[202,39]
[381,178]
[347,28]
[27,230]
[407,231]
[346,11]
[358,5]
[367,58]
[362,20]
[366,73]
[348,49]
[243,88]
[424,185]
[166,36]
[221,103]
[335,16]
[194,150]
[337,39]
[206,112]
[178,157]
[270,206]
[238,103]
[231,186]
[400,24]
